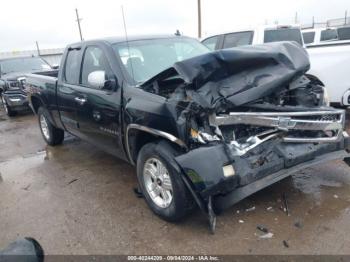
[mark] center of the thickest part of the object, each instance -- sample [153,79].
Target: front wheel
[161,183]
[52,135]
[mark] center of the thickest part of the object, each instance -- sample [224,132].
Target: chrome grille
[325,122]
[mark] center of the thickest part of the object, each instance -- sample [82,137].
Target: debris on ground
[138,192]
[285,202]
[26,188]
[336,196]
[269,209]
[237,211]
[72,181]
[241,221]
[298,224]
[285,243]
[266,236]
[250,209]
[262,228]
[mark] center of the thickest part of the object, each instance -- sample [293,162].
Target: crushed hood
[239,75]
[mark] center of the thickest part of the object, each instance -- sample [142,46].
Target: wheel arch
[315,79]
[35,103]
[138,135]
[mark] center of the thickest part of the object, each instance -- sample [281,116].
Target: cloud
[52,23]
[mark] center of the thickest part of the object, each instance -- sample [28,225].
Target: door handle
[80,101]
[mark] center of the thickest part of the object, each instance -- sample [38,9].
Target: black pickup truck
[12,72]
[201,127]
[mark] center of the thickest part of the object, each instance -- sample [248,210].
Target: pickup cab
[201,128]
[12,72]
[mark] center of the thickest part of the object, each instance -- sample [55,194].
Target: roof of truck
[255,28]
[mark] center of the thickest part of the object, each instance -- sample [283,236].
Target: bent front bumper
[16,100]
[262,166]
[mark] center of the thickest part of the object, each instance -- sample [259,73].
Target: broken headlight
[203,137]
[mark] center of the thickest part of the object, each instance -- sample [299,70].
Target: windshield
[23,65]
[283,34]
[144,59]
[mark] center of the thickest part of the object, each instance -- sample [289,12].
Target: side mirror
[97,79]
[55,66]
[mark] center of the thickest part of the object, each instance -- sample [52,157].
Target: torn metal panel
[239,75]
[205,166]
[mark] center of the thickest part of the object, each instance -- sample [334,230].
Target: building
[52,56]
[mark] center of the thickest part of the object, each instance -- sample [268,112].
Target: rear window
[238,39]
[329,34]
[72,67]
[344,33]
[283,34]
[309,37]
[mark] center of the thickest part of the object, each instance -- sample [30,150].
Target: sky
[53,23]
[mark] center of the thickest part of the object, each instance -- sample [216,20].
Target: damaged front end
[249,117]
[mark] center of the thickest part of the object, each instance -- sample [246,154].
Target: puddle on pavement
[20,165]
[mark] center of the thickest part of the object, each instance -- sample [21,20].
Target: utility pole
[313,22]
[296,18]
[199,19]
[78,21]
[37,47]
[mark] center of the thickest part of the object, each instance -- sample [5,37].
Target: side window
[329,34]
[309,37]
[72,68]
[94,60]
[344,33]
[238,39]
[211,42]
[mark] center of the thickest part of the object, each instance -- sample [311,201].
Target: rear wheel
[51,134]
[7,108]
[161,183]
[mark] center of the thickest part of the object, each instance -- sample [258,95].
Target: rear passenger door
[66,91]
[99,108]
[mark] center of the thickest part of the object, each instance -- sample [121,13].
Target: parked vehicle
[329,65]
[253,36]
[12,71]
[201,127]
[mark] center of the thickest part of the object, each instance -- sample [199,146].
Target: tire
[7,108]
[52,135]
[156,154]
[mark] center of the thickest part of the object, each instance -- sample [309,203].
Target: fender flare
[155,132]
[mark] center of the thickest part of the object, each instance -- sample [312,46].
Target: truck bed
[42,79]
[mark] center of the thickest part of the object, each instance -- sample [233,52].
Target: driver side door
[98,107]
